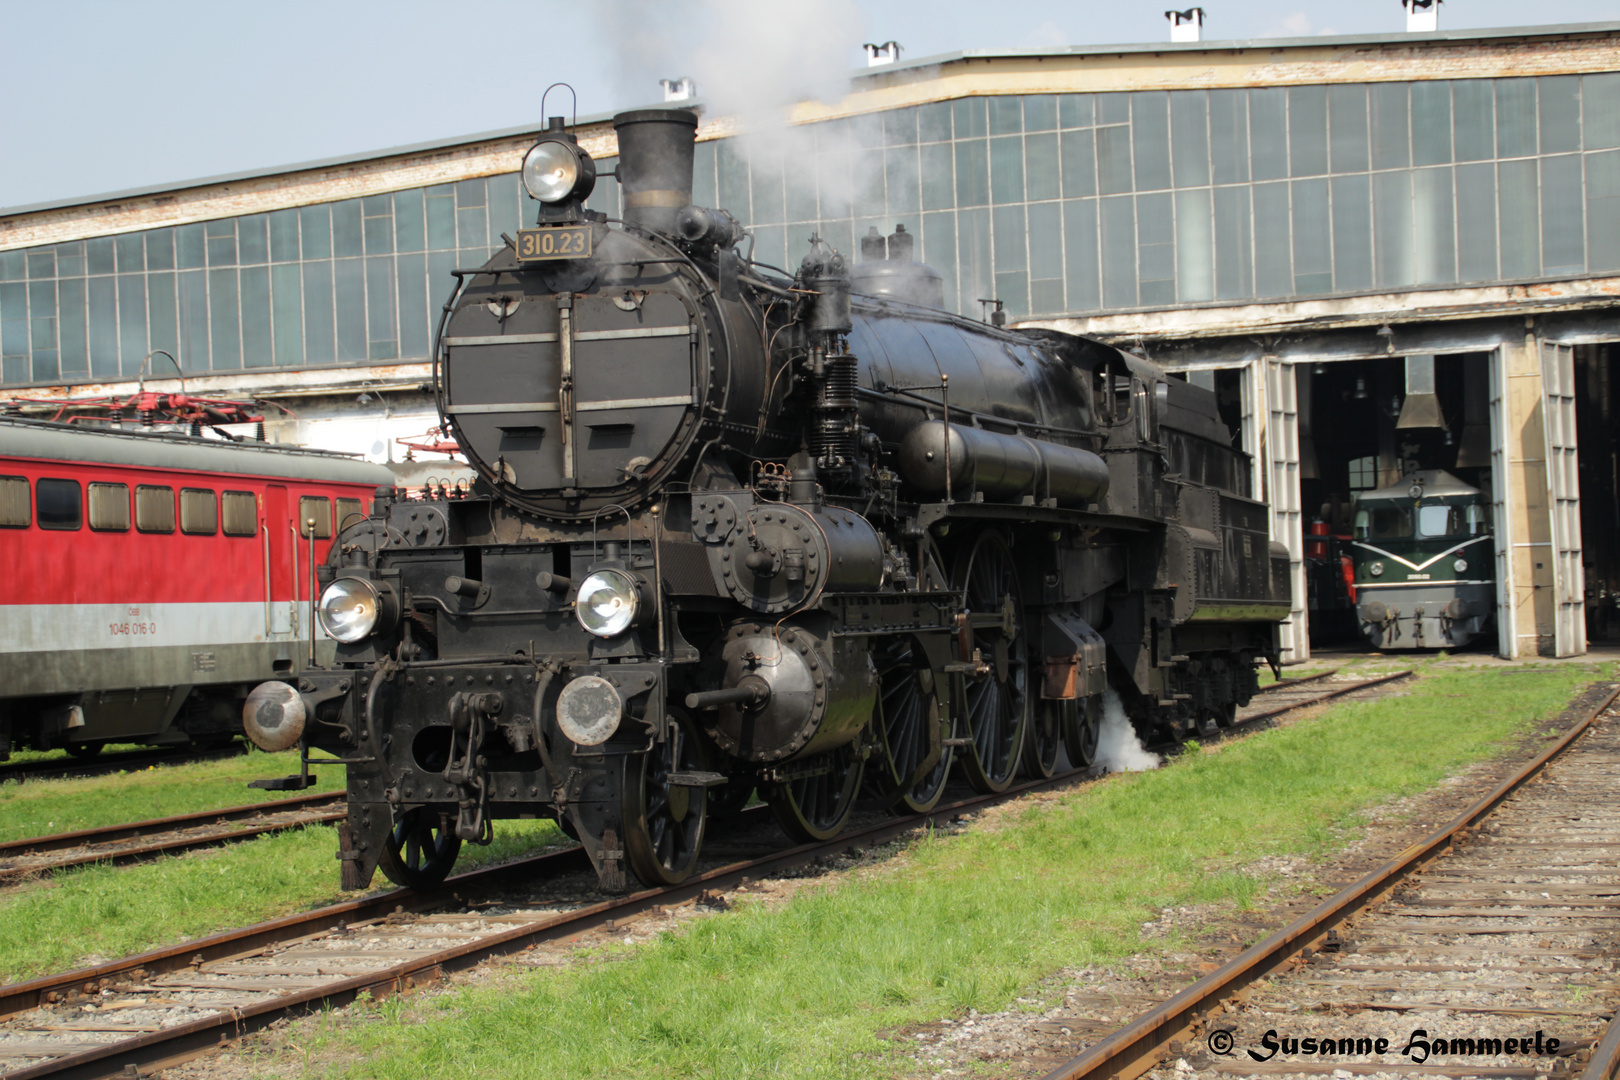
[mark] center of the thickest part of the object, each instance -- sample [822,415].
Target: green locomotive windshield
[1431,521]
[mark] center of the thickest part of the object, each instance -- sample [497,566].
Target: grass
[41,807]
[803,989]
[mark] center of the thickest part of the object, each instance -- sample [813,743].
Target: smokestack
[878,55]
[1186,25]
[1422,16]
[681,89]
[655,164]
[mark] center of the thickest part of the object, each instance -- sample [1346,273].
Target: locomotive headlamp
[349,609]
[607,602]
[557,170]
[1461,565]
[1376,569]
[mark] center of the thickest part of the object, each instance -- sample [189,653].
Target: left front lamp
[350,608]
[557,170]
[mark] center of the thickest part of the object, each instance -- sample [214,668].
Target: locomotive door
[1564,497]
[1287,524]
[279,550]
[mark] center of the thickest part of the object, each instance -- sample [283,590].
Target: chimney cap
[1186,25]
[1422,16]
[878,55]
[681,89]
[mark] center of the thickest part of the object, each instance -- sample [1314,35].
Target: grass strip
[803,989]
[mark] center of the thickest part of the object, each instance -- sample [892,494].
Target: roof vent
[682,89]
[878,55]
[1422,16]
[1186,25]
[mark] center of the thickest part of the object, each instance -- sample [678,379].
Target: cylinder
[656,148]
[1001,466]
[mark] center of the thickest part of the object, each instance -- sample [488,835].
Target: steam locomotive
[733,532]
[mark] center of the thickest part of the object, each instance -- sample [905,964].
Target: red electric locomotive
[152,579]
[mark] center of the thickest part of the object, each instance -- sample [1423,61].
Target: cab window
[1391,523]
[1437,520]
[1479,520]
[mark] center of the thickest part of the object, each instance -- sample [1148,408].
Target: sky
[98,96]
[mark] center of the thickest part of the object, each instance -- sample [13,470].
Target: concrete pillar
[1526,597]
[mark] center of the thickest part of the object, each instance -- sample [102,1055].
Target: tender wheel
[997,704]
[1082,722]
[903,717]
[421,849]
[817,806]
[663,822]
[85,750]
[1044,738]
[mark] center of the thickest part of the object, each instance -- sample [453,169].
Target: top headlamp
[557,170]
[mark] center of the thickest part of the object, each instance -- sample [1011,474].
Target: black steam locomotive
[812,537]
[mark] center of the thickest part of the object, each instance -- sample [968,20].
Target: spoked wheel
[817,806]
[997,704]
[904,717]
[663,822]
[1044,739]
[1082,723]
[421,849]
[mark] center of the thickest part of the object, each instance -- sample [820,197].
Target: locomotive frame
[737,532]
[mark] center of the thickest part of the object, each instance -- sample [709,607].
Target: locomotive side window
[15,511]
[318,507]
[1479,521]
[59,503]
[348,512]
[199,512]
[109,507]
[241,513]
[154,508]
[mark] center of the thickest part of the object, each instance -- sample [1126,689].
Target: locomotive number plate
[554,242]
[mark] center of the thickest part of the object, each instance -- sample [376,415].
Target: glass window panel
[765,185]
[1602,216]
[1113,108]
[348,228]
[1114,159]
[1313,237]
[1391,125]
[221,242]
[283,236]
[70,257]
[1040,112]
[1473,103]
[839,235]
[972,172]
[1600,95]
[1045,240]
[469,193]
[224,321]
[472,230]
[506,198]
[240,513]
[154,508]
[1268,132]
[799,189]
[900,176]
[42,314]
[973,248]
[58,505]
[1519,218]
[1082,279]
[441,219]
[1042,178]
[1234,236]
[1150,139]
[1156,248]
[320,333]
[1476,216]
[74,346]
[193,288]
[440,282]
[1010,238]
[866,132]
[703,190]
[1352,233]
[348,513]
[733,171]
[939,248]
[382,319]
[1076,110]
[1560,113]
[44,367]
[869,182]
[1119,251]
[900,127]
[253,240]
[1392,228]
[163,320]
[349,298]
[131,254]
[99,251]
[1079,150]
[287,315]
[1431,123]
[1195,246]
[834,159]
[16,507]
[1307,130]
[257,346]
[42,264]
[938,178]
[1007,169]
[378,224]
[934,123]
[318,509]
[131,321]
[109,507]
[1273,265]
[413,307]
[1347,126]
[1046,296]
[315,231]
[968,114]
[1229,136]
[1515,117]
[1012,289]
[1006,115]
[13,265]
[199,512]
[1563,228]
[1434,233]
[604,196]
[1189,137]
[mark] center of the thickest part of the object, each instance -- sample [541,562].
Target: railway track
[156,1009]
[102,764]
[142,840]
[1501,924]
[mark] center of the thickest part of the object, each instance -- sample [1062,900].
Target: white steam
[1118,748]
